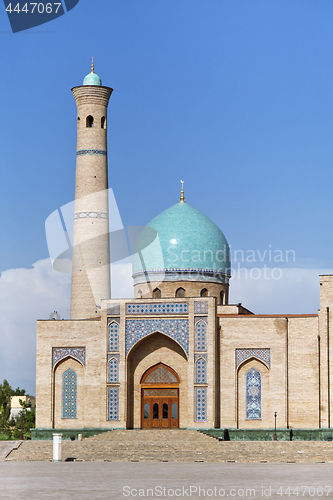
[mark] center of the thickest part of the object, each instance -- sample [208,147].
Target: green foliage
[25,420]
[6,424]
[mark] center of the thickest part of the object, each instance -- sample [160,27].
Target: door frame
[158,398]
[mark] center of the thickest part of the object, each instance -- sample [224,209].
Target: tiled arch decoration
[59,353]
[261,354]
[137,329]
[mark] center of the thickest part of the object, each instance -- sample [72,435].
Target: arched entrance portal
[160,398]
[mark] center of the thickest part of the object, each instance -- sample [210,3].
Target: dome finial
[182,197]
[92,64]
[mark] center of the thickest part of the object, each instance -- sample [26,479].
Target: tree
[25,420]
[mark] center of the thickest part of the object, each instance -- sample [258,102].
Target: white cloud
[30,294]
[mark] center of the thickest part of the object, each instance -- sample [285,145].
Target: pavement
[121,480]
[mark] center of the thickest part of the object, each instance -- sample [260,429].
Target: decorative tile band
[201,336]
[201,404]
[59,353]
[253,395]
[202,355]
[116,356]
[113,309]
[182,270]
[98,152]
[201,307]
[177,329]
[91,215]
[244,354]
[157,308]
[69,393]
[113,370]
[113,403]
[113,336]
[200,318]
[201,371]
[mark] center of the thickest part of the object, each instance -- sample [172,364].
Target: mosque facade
[177,355]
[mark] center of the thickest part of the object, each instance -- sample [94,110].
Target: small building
[15,406]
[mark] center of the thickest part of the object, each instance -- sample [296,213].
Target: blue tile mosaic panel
[113,336]
[253,395]
[201,404]
[113,403]
[244,354]
[91,215]
[201,307]
[157,308]
[69,393]
[98,152]
[177,329]
[201,371]
[113,371]
[113,309]
[201,336]
[59,353]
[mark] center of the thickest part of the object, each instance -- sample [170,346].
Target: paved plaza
[119,480]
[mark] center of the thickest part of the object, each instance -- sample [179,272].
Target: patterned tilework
[113,371]
[201,336]
[59,353]
[113,403]
[136,329]
[113,309]
[113,336]
[202,355]
[91,215]
[69,390]
[98,152]
[253,395]
[244,354]
[201,404]
[158,308]
[201,371]
[201,307]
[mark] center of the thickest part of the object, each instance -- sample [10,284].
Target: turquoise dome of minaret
[186,244]
[92,78]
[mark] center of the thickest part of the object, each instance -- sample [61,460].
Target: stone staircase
[174,446]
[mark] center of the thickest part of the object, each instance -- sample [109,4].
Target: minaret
[91,248]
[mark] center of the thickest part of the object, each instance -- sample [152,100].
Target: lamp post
[275,436]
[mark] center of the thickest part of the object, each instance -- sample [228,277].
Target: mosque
[178,355]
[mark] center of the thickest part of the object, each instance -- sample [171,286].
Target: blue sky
[235,97]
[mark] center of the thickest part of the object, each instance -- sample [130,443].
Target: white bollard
[79,437]
[57,438]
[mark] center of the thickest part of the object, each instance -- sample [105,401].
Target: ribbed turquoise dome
[92,79]
[187,242]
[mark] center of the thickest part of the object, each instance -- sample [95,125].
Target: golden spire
[92,65]
[182,198]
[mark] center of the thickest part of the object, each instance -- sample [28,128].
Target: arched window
[139,294]
[157,293]
[69,394]
[113,336]
[253,395]
[103,122]
[180,293]
[89,121]
[204,292]
[78,121]
[113,371]
[201,371]
[221,299]
[201,336]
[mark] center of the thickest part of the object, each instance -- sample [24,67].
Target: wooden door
[160,398]
[160,411]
